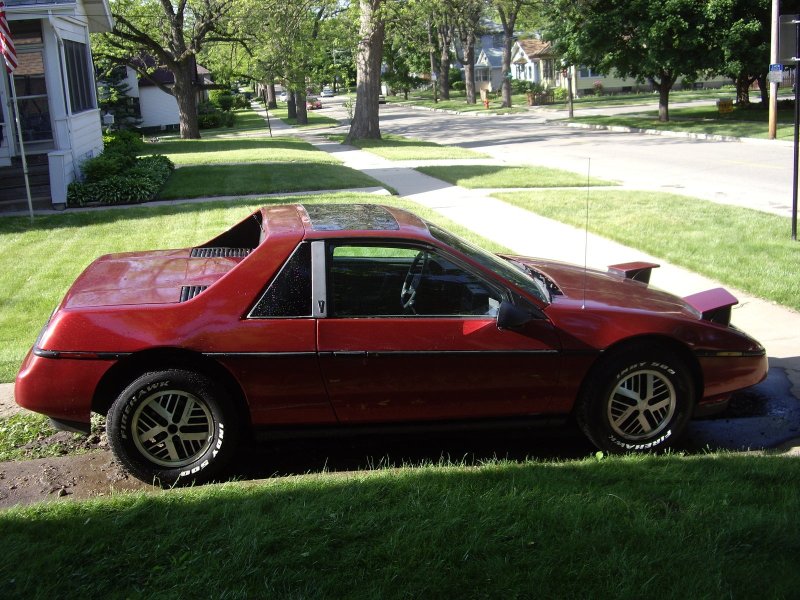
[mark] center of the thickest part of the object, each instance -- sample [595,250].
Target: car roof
[346,220]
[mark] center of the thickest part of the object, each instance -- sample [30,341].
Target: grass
[58,247]
[26,436]
[488,176]
[747,123]
[315,119]
[231,180]
[239,150]
[247,120]
[458,102]
[397,147]
[743,248]
[713,526]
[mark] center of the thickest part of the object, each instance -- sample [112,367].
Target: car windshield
[509,270]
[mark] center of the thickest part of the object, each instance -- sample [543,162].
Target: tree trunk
[291,106]
[743,82]
[508,41]
[187,101]
[468,43]
[763,86]
[271,101]
[434,66]
[365,123]
[445,39]
[302,109]
[664,86]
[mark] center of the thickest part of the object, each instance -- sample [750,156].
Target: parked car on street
[313,103]
[327,93]
[283,97]
[338,317]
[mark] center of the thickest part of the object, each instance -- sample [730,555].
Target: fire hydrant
[486,103]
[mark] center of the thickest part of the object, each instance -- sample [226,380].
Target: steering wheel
[409,291]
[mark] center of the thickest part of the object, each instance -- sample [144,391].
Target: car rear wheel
[172,427]
[637,401]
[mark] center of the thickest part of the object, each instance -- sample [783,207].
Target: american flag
[6,44]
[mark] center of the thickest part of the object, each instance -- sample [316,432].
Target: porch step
[13,196]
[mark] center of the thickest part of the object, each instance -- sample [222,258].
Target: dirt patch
[63,478]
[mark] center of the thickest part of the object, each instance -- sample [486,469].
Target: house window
[547,66]
[586,72]
[31,87]
[79,76]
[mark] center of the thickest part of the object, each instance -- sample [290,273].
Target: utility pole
[773,86]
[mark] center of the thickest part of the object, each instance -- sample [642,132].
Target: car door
[407,333]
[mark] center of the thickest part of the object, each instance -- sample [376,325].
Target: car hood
[606,289]
[157,277]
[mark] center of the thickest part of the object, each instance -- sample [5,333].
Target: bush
[139,183]
[459,86]
[125,142]
[559,94]
[106,165]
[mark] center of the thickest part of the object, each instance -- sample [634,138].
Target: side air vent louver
[190,291]
[219,252]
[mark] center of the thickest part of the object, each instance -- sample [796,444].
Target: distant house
[533,60]
[56,98]
[489,69]
[158,109]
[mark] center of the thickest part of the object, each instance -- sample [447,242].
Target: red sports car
[330,316]
[313,103]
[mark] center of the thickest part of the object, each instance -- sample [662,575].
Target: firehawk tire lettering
[169,426]
[639,400]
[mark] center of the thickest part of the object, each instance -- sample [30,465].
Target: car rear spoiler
[713,305]
[638,271]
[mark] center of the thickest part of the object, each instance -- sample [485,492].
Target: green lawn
[316,119]
[58,247]
[743,248]
[458,102]
[231,180]
[488,176]
[397,147]
[239,150]
[247,121]
[708,526]
[747,123]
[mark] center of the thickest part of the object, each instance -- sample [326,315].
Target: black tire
[639,400]
[173,427]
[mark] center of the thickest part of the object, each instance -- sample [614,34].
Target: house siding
[158,108]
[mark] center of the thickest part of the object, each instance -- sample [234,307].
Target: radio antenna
[586,231]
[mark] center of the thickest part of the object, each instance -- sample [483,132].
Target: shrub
[106,165]
[125,142]
[459,86]
[559,94]
[598,88]
[139,183]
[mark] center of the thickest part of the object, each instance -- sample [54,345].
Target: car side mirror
[511,316]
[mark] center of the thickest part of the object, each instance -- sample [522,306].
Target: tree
[172,33]
[742,44]
[654,40]
[508,11]
[369,53]
[467,20]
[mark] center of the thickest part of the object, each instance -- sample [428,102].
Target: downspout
[67,109]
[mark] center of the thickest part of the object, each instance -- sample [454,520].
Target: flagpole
[21,145]
[9,55]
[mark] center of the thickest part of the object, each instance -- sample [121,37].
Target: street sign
[775,74]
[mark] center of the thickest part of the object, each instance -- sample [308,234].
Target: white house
[56,97]
[158,109]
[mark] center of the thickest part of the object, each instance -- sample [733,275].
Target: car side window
[385,280]
[289,293]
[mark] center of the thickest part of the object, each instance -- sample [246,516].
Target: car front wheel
[172,427]
[639,400]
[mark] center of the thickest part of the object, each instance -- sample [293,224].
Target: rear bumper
[60,388]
